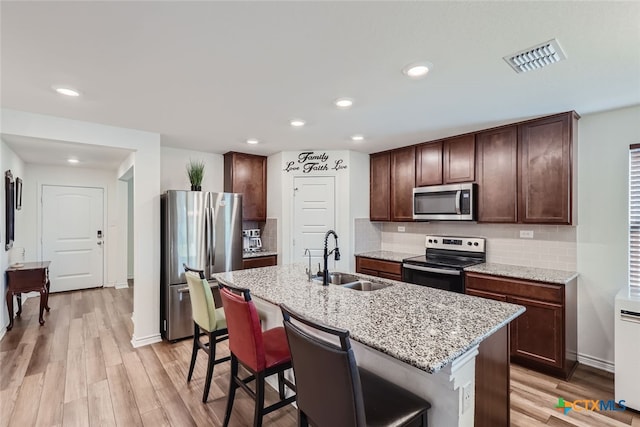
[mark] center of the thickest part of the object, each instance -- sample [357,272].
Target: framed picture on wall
[18,194]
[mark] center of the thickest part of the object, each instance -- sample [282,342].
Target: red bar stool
[332,391]
[261,353]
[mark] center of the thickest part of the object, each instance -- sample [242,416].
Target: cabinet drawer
[380,265]
[265,261]
[515,287]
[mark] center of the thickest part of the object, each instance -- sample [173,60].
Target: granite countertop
[246,255]
[559,277]
[388,255]
[424,327]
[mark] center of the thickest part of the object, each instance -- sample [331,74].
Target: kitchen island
[425,340]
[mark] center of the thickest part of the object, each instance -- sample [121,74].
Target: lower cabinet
[263,261]
[378,267]
[544,337]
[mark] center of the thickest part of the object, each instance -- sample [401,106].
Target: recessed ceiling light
[344,103]
[62,90]
[417,69]
[357,138]
[296,123]
[72,160]
[252,141]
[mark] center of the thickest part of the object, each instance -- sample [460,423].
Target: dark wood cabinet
[544,337]
[378,267]
[538,333]
[263,261]
[403,180]
[496,165]
[545,169]
[458,157]
[380,187]
[247,174]
[429,164]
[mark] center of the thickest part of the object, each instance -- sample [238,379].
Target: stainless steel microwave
[454,202]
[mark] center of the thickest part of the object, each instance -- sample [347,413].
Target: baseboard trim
[124,285]
[141,342]
[596,362]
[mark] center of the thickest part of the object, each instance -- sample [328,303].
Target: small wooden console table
[29,277]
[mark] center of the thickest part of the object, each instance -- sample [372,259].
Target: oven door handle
[458,197]
[432,270]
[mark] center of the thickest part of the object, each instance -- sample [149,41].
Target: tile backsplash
[552,246]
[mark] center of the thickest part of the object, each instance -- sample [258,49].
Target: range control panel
[454,243]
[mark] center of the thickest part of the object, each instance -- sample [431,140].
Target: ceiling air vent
[536,57]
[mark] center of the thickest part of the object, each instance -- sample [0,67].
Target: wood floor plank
[51,408]
[15,366]
[60,342]
[76,413]
[96,370]
[75,386]
[124,404]
[7,404]
[90,324]
[110,350]
[143,390]
[100,406]
[26,405]
[155,418]
[76,333]
[40,357]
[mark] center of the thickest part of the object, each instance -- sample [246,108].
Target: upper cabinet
[458,157]
[429,164]
[393,176]
[497,159]
[380,186]
[545,169]
[403,180]
[524,172]
[247,174]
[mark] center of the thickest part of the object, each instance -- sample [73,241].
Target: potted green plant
[195,171]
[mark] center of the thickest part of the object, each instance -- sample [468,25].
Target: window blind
[634,216]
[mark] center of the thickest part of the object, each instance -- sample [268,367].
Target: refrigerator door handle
[212,240]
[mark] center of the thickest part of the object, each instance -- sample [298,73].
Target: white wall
[9,160]
[145,160]
[351,196]
[38,175]
[603,183]
[173,169]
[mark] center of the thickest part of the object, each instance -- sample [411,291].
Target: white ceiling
[209,75]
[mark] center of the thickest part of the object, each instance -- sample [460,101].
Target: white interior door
[314,215]
[73,236]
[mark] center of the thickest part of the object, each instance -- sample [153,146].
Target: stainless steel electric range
[443,263]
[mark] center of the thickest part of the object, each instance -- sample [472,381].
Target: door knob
[100,242]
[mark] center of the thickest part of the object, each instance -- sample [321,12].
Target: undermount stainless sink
[350,281]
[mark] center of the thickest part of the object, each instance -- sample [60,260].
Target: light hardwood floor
[80,369]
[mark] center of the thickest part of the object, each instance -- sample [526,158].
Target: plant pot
[196,188]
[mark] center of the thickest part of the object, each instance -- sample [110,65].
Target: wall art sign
[312,161]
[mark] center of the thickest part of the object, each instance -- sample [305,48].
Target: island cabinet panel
[263,261]
[496,166]
[493,381]
[429,164]
[403,180]
[380,268]
[459,159]
[247,174]
[545,169]
[380,186]
[544,338]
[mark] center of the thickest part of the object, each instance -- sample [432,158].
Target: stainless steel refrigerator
[204,231]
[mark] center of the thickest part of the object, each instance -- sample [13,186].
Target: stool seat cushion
[386,404]
[276,347]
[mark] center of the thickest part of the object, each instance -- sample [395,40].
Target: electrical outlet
[526,234]
[400,229]
[466,396]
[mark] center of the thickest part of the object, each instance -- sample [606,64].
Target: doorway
[313,216]
[73,236]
